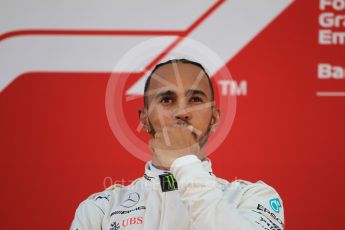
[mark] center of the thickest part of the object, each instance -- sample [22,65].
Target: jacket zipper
[161,223]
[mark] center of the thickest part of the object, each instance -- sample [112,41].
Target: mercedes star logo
[132,199]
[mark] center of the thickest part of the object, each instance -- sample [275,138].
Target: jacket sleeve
[215,206]
[88,216]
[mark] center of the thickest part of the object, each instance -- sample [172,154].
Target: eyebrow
[196,91]
[189,92]
[165,93]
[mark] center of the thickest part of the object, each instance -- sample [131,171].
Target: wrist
[184,160]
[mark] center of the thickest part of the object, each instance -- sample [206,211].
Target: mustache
[182,122]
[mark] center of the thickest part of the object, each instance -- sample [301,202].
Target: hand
[172,143]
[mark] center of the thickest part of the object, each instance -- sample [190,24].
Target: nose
[182,114]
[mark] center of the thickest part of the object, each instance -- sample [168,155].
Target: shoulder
[99,204]
[259,199]
[262,199]
[253,188]
[110,196]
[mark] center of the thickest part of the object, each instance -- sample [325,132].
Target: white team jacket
[198,201]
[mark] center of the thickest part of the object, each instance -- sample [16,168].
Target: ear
[143,118]
[215,119]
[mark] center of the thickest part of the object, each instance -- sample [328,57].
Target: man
[178,189]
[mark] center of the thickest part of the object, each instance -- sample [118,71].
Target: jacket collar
[152,174]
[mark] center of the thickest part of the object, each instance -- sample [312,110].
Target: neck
[159,167]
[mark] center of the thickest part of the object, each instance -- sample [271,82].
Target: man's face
[179,94]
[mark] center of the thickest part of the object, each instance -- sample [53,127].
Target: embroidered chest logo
[131,200]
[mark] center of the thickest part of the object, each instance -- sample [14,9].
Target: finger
[194,130]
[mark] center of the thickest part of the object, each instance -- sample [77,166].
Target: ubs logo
[131,221]
[131,200]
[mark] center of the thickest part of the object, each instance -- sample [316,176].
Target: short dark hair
[185,61]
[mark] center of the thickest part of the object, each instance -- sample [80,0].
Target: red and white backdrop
[71,80]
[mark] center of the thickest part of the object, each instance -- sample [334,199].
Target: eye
[166,100]
[196,99]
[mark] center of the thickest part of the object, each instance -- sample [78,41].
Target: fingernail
[190,127]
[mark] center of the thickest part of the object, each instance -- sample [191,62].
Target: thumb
[194,131]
